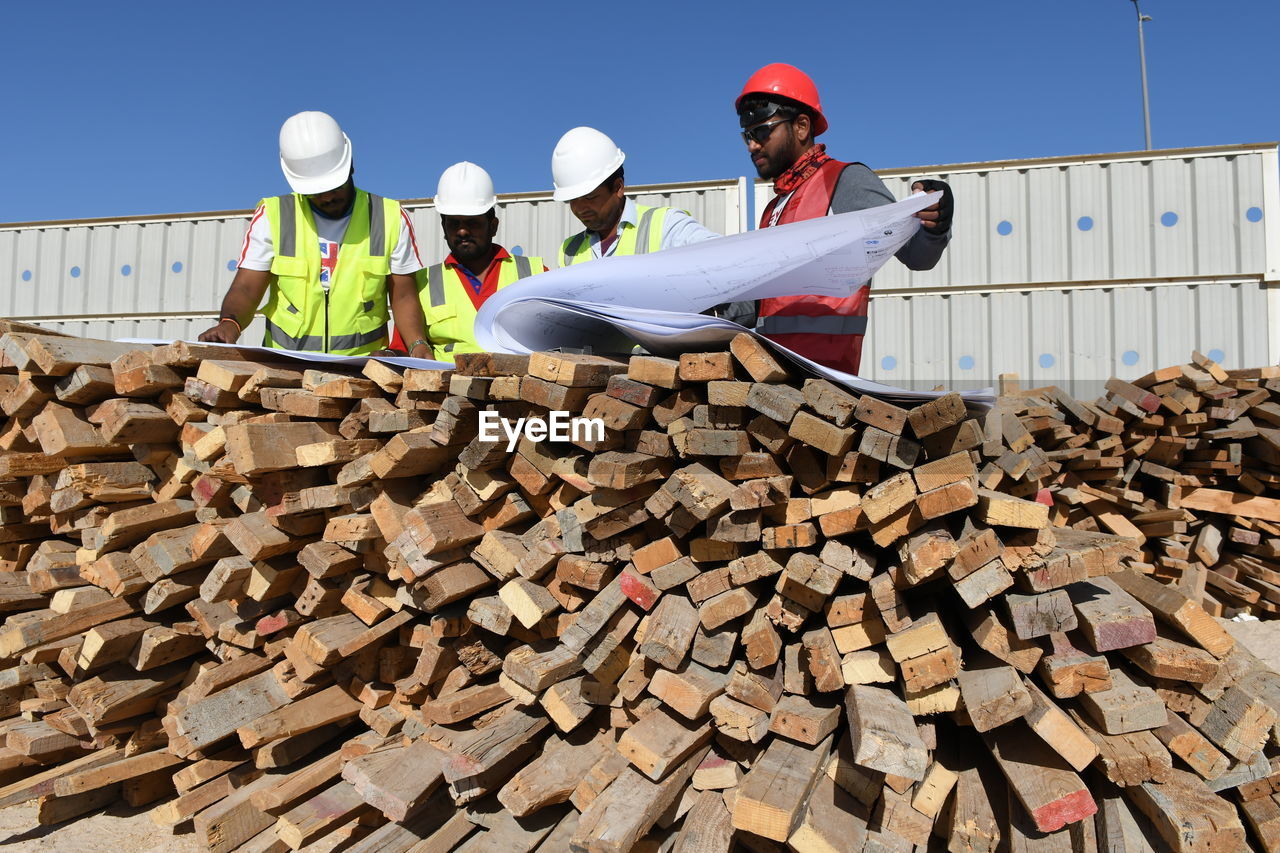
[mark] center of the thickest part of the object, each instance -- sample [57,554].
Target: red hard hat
[778,78]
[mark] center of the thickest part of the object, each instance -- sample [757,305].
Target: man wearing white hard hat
[328,256]
[586,167]
[452,291]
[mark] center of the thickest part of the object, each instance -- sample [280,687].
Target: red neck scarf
[801,170]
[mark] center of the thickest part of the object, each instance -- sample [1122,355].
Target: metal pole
[1142,59]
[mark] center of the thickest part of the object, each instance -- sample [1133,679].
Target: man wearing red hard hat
[780,115]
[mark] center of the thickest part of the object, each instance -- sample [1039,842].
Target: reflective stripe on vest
[377,227]
[306,343]
[288,227]
[642,231]
[643,237]
[447,306]
[796,324]
[353,313]
[435,286]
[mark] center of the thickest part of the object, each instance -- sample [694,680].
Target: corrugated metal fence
[1066,270]
[164,276]
[1073,270]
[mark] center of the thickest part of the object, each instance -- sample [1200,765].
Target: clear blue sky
[136,108]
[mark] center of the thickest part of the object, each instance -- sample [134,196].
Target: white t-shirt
[257,251]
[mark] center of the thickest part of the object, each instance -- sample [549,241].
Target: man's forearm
[237,306]
[923,250]
[242,299]
[406,310]
[245,294]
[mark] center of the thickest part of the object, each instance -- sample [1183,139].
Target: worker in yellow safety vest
[453,290]
[327,256]
[586,167]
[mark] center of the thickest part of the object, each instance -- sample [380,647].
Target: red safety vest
[827,329]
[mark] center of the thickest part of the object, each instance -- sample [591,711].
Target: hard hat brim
[583,187]
[455,209]
[316,184]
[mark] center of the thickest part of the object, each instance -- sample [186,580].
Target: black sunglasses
[761,132]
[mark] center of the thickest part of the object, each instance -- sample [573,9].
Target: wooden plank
[993,696]
[316,816]
[1176,609]
[1118,828]
[771,798]
[226,825]
[1232,503]
[1127,758]
[707,827]
[552,777]
[1125,707]
[1056,728]
[207,721]
[102,776]
[885,735]
[1109,617]
[629,808]
[397,781]
[1188,816]
[485,759]
[672,627]
[1047,787]
[977,815]
[1197,751]
[658,742]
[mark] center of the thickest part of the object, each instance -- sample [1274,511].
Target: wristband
[239,328]
[413,345]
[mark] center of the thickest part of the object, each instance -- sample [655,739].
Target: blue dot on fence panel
[517,250]
[1169,219]
[1253,214]
[1005,228]
[966,362]
[1130,357]
[888,362]
[26,275]
[1085,223]
[177,266]
[75,272]
[231,265]
[1047,360]
[126,269]
[1217,355]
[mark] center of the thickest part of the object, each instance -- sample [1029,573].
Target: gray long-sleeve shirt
[859,188]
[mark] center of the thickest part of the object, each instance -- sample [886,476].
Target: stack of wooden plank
[284,606]
[1184,460]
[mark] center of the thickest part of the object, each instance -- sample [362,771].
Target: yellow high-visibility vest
[640,238]
[450,313]
[350,318]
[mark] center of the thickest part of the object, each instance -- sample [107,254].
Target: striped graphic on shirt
[244,248]
[413,239]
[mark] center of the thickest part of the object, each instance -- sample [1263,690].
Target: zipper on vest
[326,319]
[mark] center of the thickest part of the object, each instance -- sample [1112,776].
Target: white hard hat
[583,159]
[314,153]
[465,190]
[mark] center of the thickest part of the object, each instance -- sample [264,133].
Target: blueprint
[653,300]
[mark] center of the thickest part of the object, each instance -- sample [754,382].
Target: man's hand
[421,351]
[936,218]
[226,332]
